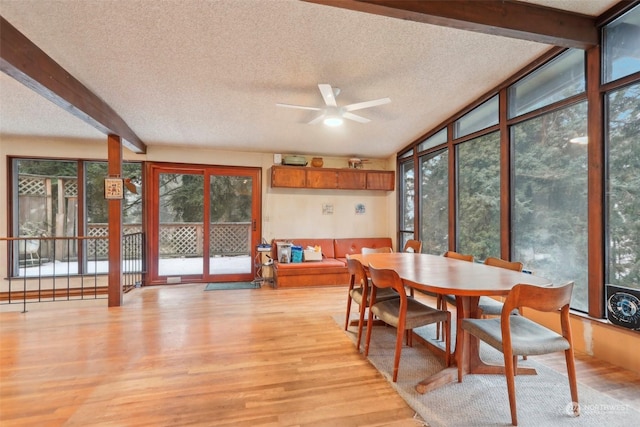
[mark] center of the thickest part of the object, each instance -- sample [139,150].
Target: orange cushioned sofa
[331,270]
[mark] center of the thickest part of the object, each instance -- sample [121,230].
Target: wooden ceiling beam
[505,18]
[27,63]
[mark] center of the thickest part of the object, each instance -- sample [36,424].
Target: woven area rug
[230,285]
[482,400]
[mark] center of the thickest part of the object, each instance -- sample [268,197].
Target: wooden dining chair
[413,246]
[404,313]
[360,291]
[487,305]
[441,300]
[381,250]
[456,255]
[517,335]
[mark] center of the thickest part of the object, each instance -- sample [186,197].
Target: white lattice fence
[100,247]
[181,240]
[31,186]
[230,238]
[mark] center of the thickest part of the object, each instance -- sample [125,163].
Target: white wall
[287,213]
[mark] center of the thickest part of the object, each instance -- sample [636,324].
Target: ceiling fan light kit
[331,114]
[333,121]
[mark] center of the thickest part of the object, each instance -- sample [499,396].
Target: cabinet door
[382,180]
[352,180]
[282,176]
[317,178]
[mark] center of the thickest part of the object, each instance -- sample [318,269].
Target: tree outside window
[549,209]
[478,204]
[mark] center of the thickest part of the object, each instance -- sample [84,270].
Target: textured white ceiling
[198,73]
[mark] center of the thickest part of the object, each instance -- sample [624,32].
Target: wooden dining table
[467,281]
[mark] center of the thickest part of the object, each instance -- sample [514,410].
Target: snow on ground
[166,267]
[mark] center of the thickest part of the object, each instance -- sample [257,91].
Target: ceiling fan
[331,114]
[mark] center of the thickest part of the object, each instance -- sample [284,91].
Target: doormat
[230,285]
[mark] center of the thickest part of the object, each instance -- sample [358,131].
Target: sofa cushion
[344,247]
[316,266]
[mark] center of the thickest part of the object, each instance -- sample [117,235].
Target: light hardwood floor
[176,355]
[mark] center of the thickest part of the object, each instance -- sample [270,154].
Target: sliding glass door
[204,223]
[180,224]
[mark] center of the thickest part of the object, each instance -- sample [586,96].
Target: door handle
[254,225]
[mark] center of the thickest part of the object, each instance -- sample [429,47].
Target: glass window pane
[434,202]
[404,238]
[549,212]
[556,80]
[407,154]
[623,204]
[434,140]
[478,204]
[482,117]
[621,40]
[47,200]
[181,207]
[230,211]
[97,211]
[407,194]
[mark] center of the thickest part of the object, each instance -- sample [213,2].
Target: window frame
[82,211]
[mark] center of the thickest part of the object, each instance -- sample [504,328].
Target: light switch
[277,159]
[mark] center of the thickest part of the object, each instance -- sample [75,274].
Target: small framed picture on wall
[327,209]
[113,188]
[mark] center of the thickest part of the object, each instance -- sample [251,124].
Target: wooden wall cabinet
[352,180]
[325,178]
[291,178]
[321,178]
[380,180]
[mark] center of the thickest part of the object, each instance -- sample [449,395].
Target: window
[407,195]
[621,40]
[47,204]
[482,117]
[550,171]
[478,204]
[46,194]
[549,208]
[557,80]
[434,202]
[97,211]
[181,214]
[623,201]
[434,140]
[406,154]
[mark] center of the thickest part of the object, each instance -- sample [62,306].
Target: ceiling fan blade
[355,117]
[328,95]
[300,107]
[366,104]
[316,120]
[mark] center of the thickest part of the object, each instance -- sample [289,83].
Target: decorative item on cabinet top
[327,178]
[356,163]
[317,162]
[294,161]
